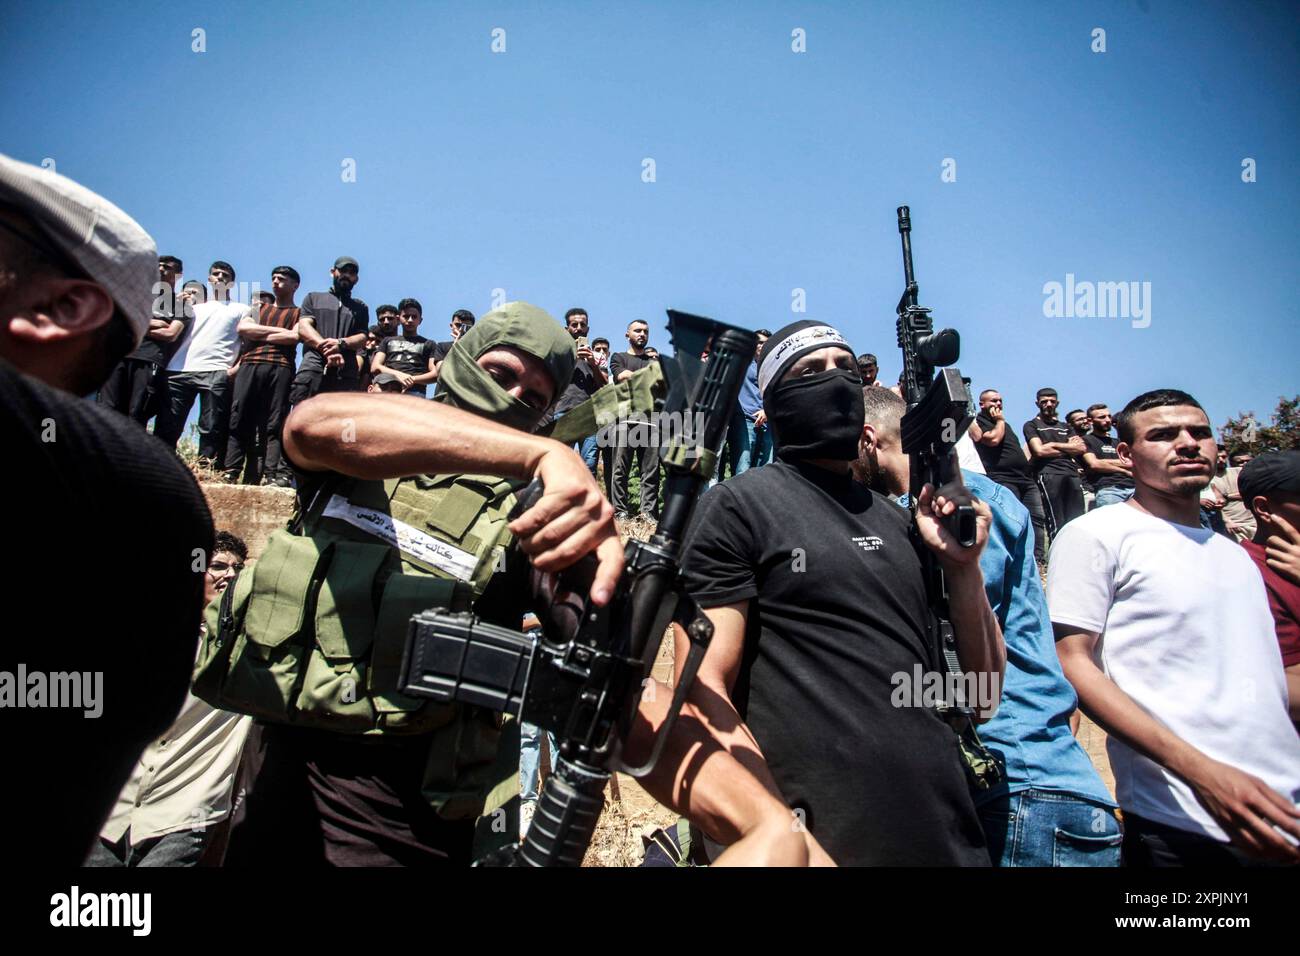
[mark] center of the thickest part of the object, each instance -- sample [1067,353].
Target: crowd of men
[1170,613]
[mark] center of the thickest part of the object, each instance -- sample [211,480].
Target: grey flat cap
[105,242]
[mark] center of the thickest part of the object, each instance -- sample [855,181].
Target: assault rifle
[583,679]
[938,414]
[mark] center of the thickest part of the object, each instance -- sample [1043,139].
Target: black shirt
[108,535]
[837,609]
[1004,463]
[1104,449]
[627,362]
[409,354]
[160,353]
[1058,431]
[334,318]
[583,385]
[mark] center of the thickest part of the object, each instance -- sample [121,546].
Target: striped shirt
[263,352]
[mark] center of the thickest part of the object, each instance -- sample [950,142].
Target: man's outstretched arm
[730,791]
[390,436]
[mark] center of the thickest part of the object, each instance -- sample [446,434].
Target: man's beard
[867,470]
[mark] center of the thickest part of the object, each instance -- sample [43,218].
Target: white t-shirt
[1187,633]
[213,339]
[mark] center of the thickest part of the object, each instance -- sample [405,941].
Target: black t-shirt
[334,318]
[1004,463]
[1104,449]
[583,385]
[108,537]
[1058,431]
[160,353]
[409,354]
[837,609]
[627,362]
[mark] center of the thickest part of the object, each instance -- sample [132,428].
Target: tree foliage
[1247,433]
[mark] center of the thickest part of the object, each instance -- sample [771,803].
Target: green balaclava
[463,384]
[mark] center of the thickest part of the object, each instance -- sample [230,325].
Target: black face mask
[817,416]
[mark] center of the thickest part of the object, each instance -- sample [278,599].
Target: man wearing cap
[202,368]
[75,299]
[818,604]
[136,381]
[1270,488]
[1163,628]
[332,328]
[261,399]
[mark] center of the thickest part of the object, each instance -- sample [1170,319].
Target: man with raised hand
[816,595]
[1050,808]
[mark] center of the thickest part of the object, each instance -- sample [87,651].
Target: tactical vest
[312,634]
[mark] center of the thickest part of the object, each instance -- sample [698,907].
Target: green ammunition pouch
[312,634]
[636,394]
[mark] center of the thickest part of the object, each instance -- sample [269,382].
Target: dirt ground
[254,513]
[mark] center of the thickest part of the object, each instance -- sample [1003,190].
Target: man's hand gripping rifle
[938,414]
[583,679]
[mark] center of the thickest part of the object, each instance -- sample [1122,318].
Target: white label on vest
[420,546]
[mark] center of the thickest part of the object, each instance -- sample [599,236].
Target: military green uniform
[343,769]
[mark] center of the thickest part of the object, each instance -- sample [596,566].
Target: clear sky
[774,170]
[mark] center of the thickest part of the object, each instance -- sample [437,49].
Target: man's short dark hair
[766,332]
[386,307]
[289,271]
[866,358]
[225,541]
[1094,406]
[988,391]
[172,261]
[1045,393]
[1075,411]
[266,295]
[574,311]
[637,322]
[465,315]
[884,409]
[600,341]
[222,264]
[409,303]
[1156,398]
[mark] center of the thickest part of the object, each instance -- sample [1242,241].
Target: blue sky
[774,170]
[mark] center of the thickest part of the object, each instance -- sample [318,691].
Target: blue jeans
[1110,495]
[751,447]
[1046,828]
[589,451]
[530,759]
[182,848]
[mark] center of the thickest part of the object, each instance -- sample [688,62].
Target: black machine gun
[583,679]
[938,414]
